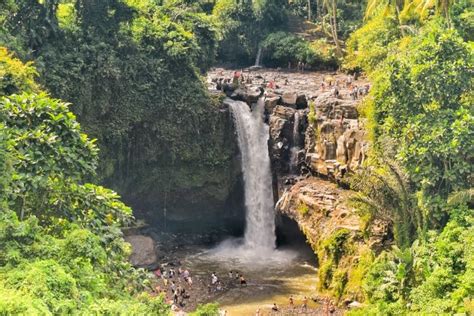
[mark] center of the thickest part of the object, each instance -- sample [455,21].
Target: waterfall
[259,55]
[296,143]
[252,136]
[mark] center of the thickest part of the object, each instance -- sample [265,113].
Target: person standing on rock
[242,281]
[235,80]
[305,303]
[275,307]
[214,278]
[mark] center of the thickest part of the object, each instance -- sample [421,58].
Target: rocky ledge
[336,233]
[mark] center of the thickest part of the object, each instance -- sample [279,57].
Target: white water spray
[296,140]
[259,56]
[252,136]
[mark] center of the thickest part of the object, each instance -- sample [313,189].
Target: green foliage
[432,277]
[425,108]
[282,48]
[62,247]
[15,76]
[421,101]
[369,46]
[330,252]
[211,309]
[132,70]
[384,192]
[303,209]
[244,25]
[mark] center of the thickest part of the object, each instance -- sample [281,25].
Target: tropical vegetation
[132,72]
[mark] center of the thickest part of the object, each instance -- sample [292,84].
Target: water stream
[259,56]
[252,136]
[296,143]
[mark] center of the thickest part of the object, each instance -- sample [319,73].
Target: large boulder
[301,101]
[247,94]
[284,112]
[289,98]
[143,251]
[271,103]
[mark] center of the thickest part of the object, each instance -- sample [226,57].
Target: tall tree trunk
[318,10]
[334,28]
[309,10]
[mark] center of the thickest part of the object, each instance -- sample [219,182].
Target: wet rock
[247,94]
[143,251]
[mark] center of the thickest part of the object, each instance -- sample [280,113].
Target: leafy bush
[211,309]
[369,46]
[15,76]
[282,48]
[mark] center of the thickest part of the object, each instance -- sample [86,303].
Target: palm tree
[384,191]
[387,6]
[331,7]
[442,7]
[461,197]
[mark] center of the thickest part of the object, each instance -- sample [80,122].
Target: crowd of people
[175,282]
[175,285]
[355,91]
[332,84]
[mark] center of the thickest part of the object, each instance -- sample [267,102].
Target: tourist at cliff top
[157,273]
[189,281]
[242,281]
[214,278]
[275,307]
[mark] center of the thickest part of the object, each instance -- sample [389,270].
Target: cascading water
[259,56]
[252,136]
[296,143]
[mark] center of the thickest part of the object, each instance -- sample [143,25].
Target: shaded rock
[301,101]
[143,251]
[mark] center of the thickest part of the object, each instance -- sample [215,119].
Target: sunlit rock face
[335,141]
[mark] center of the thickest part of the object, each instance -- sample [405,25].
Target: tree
[331,7]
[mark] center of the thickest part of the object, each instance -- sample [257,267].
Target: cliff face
[166,145]
[172,189]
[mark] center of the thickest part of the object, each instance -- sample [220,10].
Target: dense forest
[131,72]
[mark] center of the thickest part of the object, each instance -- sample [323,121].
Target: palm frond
[461,197]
